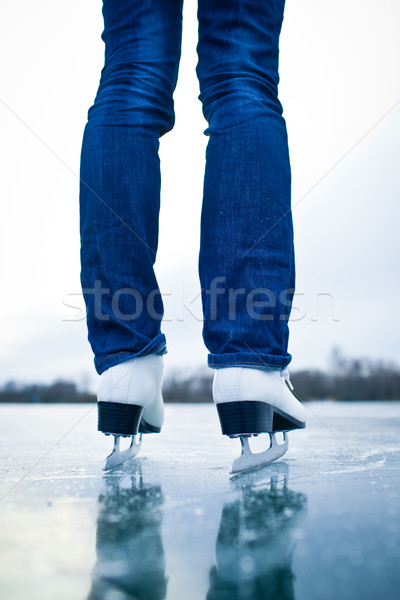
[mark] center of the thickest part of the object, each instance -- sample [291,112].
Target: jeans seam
[251,362]
[110,355]
[125,352]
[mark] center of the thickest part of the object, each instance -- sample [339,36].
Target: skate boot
[130,403]
[254,401]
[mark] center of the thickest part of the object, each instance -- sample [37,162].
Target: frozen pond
[321,523]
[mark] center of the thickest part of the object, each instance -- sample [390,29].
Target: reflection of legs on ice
[130,554]
[254,545]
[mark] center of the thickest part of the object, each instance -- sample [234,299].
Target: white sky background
[339,72]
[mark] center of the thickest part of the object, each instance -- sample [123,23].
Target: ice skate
[130,404]
[254,401]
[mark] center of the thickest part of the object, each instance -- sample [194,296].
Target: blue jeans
[246,261]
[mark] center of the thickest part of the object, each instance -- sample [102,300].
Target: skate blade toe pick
[118,456]
[248,461]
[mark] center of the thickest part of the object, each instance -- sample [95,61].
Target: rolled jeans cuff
[249,360]
[158,345]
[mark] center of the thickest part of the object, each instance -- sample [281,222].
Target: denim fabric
[246,261]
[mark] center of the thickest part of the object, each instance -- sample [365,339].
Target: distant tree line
[59,391]
[347,379]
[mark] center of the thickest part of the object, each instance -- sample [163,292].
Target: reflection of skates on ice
[130,553]
[130,403]
[254,401]
[255,542]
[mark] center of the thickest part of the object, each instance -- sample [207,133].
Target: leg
[120,178]
[246,261]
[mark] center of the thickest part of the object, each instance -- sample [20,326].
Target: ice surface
[323,522]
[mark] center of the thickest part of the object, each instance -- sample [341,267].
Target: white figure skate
[253,401]
[130,403]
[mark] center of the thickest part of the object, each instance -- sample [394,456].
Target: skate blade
[250,460]
[118,457]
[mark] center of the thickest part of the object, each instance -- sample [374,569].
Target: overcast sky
[340,90]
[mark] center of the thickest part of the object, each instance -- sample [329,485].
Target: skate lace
[286,377]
